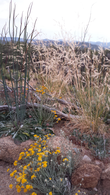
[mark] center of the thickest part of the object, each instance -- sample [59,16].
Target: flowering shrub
[40,171]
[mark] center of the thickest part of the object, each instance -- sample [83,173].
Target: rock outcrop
[9,151]
[86,176]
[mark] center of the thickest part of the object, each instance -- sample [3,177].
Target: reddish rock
[86,176]
[9,151]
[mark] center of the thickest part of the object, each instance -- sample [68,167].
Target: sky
[63,19]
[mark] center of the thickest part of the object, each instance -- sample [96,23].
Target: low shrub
[39,170]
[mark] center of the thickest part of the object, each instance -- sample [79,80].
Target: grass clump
[38,170]
[80,78]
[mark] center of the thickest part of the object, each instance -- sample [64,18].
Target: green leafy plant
[25,131]
[98,144]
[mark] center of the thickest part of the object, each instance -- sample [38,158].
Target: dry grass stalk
[77,77]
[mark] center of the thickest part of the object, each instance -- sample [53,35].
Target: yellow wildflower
[50,193]
[22,154]
[29,187]
[27,154]
[28,165]
[36,136]
[33,193]
[11,186]
[20,157]
[44,164]
[11,174]
[18,179]
[25,190]
[18,188]
[35,144]
[40,158]
[33,176]
[24,180]
[65,159]
[37,90]
[38,169]
[8,170]
[43,87]
[53,111]
[46,135]
[32,152]
[15,163]
[39,163]
[57,151]
[25,167]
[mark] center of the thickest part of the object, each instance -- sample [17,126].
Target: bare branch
[35,105]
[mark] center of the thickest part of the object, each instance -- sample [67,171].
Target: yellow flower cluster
[38,149]
[21,155]
[42,89]
[57,151]
[55,115]
[12,174]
